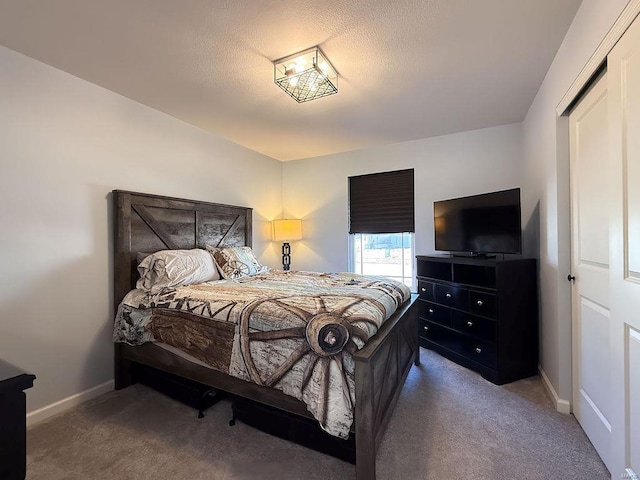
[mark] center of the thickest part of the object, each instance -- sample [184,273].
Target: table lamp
[286,230]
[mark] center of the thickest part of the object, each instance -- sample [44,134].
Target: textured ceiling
[409,69]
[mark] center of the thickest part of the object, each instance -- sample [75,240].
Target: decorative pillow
[173,268]
[236,262]
[140,256]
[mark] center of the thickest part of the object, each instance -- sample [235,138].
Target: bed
[150,223]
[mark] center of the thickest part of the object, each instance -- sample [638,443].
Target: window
[386,254]
[382,223]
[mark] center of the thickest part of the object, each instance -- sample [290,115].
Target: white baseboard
[563,406]
[66,403]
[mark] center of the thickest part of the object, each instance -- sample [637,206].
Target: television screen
[487,223]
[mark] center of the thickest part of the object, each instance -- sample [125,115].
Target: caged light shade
[306,75]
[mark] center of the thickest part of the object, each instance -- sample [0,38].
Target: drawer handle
[431,311]
[423,289]
[448,295]
[426,329]
[469,323]
[478,350]
[479,303]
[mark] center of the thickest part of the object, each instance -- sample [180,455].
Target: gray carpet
[449,424]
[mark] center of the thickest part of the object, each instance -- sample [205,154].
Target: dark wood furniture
[301,430]
[480,313]
[148,223]
[13,421]
[194,394]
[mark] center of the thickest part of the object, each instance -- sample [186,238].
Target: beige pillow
[236,262]
[173,268]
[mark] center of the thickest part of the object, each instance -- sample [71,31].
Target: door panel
[589,137]
[633,378]
[623,64]
[595,360]
[593,213]
[589,155]
[594,402]
[630,78]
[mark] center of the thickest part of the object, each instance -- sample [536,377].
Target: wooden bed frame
[149,223]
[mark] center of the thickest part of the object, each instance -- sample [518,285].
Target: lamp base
[286,256]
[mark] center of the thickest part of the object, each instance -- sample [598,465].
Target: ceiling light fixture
[306,75]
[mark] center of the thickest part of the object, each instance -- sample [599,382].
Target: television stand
[480,313]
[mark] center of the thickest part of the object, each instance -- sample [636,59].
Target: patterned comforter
[294,331]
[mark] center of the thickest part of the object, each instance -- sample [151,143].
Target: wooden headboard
[149,223]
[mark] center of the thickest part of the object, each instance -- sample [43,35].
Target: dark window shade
[382,202]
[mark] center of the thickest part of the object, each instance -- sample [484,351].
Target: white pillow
[173,268]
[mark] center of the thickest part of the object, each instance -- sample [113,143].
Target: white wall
[64,145]
[546,178]
[316,189]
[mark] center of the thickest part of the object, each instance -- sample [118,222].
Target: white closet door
[623,64]
[592,397]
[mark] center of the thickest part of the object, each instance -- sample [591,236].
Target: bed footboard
[382,367]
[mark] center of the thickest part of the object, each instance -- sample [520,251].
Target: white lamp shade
[285,230]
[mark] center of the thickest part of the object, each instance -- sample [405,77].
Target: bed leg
[123,370]
[365,460]
[232,422]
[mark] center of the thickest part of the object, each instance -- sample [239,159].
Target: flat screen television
[479,224]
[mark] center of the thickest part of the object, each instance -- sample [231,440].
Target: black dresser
[13,421]
[481,313]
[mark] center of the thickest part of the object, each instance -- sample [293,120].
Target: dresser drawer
[425,290]
[482,304]
[425,329]
[452,296]
[473,325]
[481,352]
[435,313]
[471,348]
[436,333]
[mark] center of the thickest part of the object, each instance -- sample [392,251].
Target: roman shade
[382,202]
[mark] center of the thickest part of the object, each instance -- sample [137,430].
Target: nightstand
[13,421]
